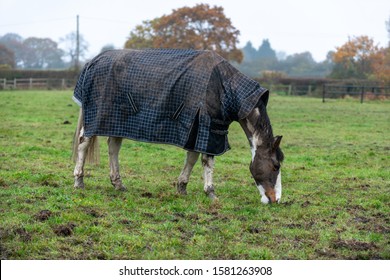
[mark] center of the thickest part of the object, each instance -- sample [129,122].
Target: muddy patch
[93,212]
[126,222]
[305,204]
[326,253]
[50,183]
[64,230]
[147,195]
[3,184]
[256,230]
[24,235]
[353,245]
[43,215]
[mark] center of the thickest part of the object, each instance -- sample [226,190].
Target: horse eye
[276,167]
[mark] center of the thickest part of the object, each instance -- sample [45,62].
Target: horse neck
[258,130]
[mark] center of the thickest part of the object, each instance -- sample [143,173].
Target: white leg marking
[264,198]
[182,181]
[191,159]
[208,166]
[82,149]
[278,187]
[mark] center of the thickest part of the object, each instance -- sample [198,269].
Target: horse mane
[264,129]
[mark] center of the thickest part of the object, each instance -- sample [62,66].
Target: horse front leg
[208,168]
[191,159]
[82,149]
[114,146]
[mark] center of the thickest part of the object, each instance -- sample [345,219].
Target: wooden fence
[292,89]
[363,92]
[360,91]
[33,83]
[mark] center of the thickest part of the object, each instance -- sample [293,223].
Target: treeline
[35,53]
[265,61]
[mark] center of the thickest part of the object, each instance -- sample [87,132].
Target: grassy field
[335,204]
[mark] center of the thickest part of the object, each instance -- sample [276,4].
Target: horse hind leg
[191,159]
[114,146]
[208,169]
[83,144]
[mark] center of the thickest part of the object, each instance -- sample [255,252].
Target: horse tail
[93,155]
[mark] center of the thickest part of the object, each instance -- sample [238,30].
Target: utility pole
[77,46]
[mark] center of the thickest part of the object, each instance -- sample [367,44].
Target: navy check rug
[186,98]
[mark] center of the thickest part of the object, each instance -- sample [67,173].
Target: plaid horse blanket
[186,98]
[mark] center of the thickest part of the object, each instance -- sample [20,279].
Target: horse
[185,98]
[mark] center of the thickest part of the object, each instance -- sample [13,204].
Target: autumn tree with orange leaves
[355,58]
[360,58]
[200,27]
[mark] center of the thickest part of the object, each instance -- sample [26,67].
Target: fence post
[289,89]
[362,95]
[15,83]
[323,93]
[4,83]
[30,84]
[63,84]
[309,90]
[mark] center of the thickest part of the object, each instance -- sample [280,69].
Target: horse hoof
[210,193]
[212,196]
[79,183]
[182,188]
[120,188]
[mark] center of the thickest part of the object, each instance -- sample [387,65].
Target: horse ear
[277,141]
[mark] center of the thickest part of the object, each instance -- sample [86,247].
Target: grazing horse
[185,98]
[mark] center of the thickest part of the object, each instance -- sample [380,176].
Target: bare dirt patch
[353,245]
[23,234]
[64,230]
[43,215]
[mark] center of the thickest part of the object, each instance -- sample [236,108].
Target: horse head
[265,169]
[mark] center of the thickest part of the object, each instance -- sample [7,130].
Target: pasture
[335,202]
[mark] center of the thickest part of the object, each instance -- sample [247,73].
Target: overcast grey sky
[292,26]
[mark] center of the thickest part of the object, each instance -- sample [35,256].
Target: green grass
[335,204]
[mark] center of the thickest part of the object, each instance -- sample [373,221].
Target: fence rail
[362,91]
[34,83]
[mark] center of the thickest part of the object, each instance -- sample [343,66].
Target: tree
[381,65]
[257,61]
[69,43]
[141,37]
[265,51]
[42,53]
[200,27]
[354,59]
[7,58]
[107,47]
[249,52]
[14,42]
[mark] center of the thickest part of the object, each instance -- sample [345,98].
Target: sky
[291,26]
